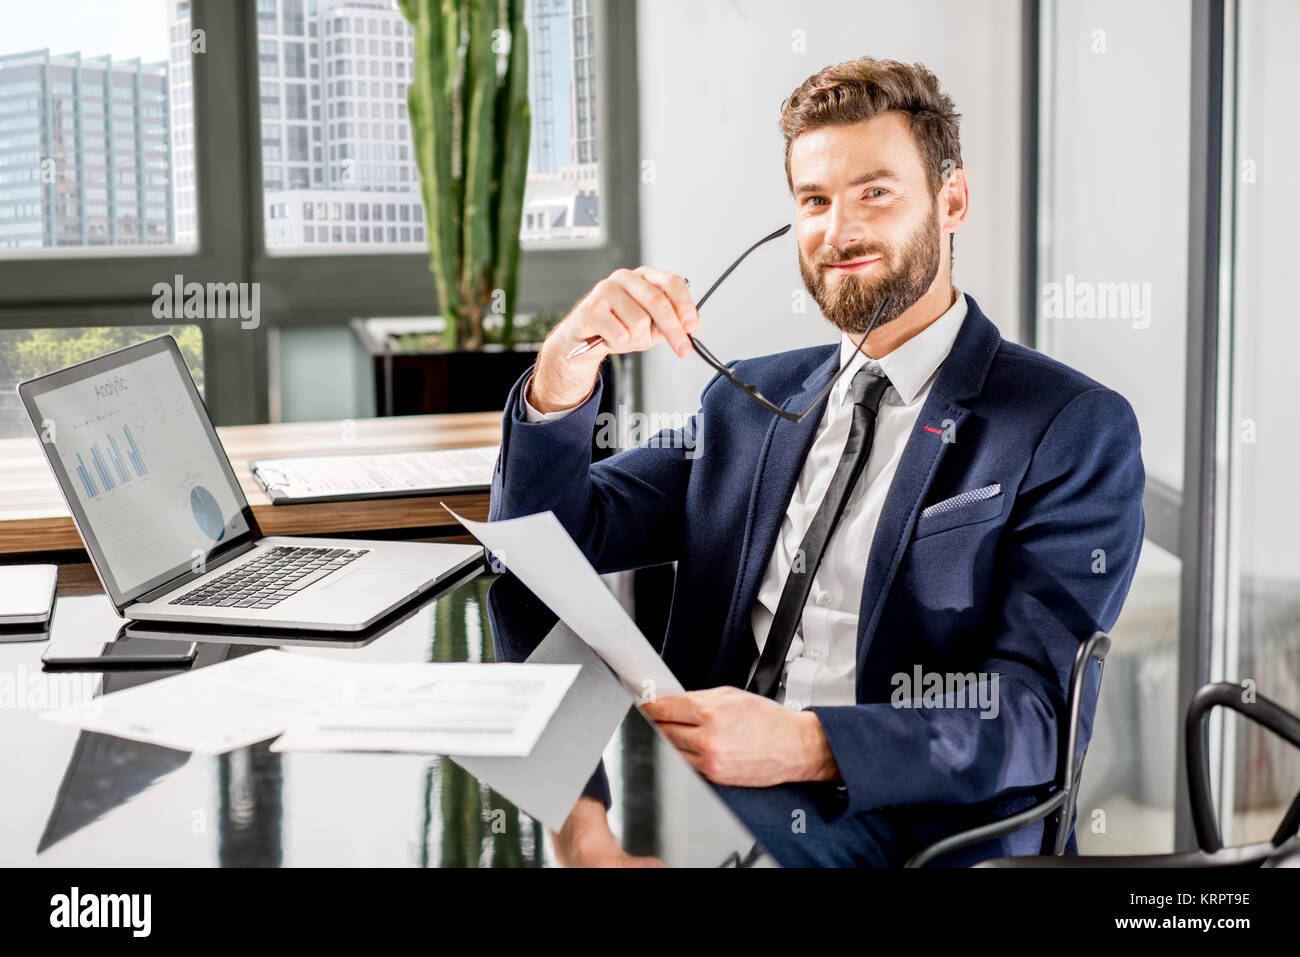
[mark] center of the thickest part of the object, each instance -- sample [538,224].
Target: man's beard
[853,301]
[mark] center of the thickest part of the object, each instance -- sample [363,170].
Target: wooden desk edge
[57,533]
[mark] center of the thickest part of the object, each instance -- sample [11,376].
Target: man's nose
[843,228]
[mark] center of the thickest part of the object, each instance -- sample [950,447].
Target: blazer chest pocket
[967,508]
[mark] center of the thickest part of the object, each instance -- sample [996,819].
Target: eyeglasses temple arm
[730,269]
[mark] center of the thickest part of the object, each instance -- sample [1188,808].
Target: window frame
[311,287]
[114,286]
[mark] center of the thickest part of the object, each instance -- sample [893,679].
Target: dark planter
[419,383]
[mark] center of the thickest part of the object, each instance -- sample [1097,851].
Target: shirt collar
[911,365]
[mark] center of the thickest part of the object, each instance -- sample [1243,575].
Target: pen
[593,341]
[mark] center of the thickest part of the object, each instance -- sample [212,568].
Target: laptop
[167,526]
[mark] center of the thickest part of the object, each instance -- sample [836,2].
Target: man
[960,510]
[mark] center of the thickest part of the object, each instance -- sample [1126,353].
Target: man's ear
[954,200]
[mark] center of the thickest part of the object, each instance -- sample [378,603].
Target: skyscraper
[584,82]
[561,200]
[84,151]
[550,84]
[337,162]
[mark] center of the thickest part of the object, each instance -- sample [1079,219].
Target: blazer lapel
[779,463]
[961,377]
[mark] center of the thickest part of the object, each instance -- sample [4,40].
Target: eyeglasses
[751,390]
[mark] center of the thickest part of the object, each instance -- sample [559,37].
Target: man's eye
[880,190]
[815,199]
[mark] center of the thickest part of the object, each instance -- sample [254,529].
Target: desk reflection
[114,802]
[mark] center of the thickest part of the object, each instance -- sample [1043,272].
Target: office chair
[1283,850]
[1056,800]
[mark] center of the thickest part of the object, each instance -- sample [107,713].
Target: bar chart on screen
[105,455]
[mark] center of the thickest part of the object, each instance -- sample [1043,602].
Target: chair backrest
[1283,850]
[1069,760]
[1257,708]
[1055,808]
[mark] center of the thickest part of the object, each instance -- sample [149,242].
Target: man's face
[867,223]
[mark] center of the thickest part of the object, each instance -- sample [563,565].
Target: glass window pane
[563,190]
[1261,554]
[1113,214]
[1113,304]
[96,138]
[345,164]
[366,79]
[27,353]
[1126,795]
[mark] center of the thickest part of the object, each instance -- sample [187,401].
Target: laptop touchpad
[377,579]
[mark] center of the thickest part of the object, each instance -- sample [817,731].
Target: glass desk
[74,798]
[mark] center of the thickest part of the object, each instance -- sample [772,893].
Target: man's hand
[737,738]
[585,840]
[631,310]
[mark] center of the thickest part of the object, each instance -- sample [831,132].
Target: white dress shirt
[821,664]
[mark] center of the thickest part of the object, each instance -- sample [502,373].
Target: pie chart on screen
[207,513]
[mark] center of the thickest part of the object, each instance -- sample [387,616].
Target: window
[295,60]
[295,101]
[26,353]
[562,163]
[117,79]
[269,57]
[1108,301]
[123,169]
[1257,456]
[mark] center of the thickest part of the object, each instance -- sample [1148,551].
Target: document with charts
[441,708]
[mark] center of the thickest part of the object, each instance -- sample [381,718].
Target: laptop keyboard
[268,580]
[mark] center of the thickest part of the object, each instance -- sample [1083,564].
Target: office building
[332,88]
[84,151]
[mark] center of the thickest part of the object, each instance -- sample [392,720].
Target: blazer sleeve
[1067,558]
[625,511]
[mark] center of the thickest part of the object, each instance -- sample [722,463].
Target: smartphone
[87,634]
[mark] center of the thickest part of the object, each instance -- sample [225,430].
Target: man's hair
[857,90]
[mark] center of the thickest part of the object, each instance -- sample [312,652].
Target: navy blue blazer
[1006,585]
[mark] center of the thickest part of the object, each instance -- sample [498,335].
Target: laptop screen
[143,472]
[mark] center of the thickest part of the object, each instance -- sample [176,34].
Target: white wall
[713,75]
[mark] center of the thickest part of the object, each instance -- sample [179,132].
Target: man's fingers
[686,738]
[657,302]
[678,290]
[636,321]
[678,708]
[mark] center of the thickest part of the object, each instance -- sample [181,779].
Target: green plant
[470,126]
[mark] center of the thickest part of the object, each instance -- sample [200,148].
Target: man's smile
[854,265]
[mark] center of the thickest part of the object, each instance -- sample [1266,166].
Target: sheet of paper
[547,784]
[474,708]
[332,475]
[538,550]
[459,708]
[233,703]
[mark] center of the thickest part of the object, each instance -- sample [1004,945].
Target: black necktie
[868,387]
